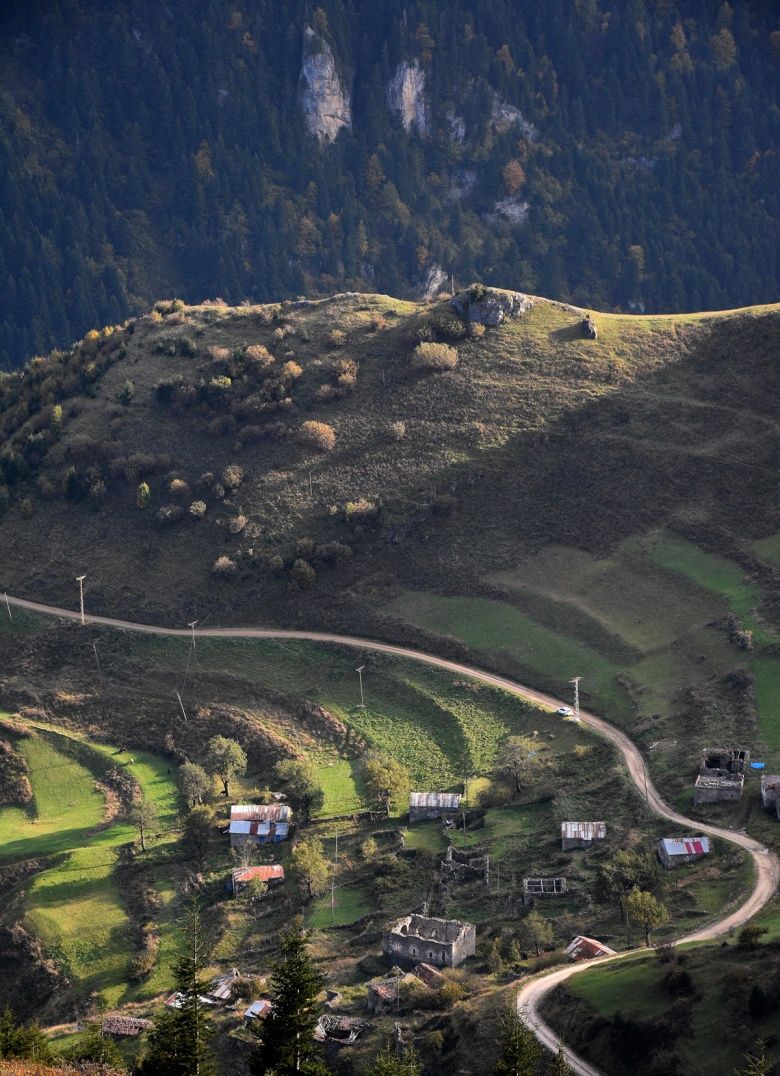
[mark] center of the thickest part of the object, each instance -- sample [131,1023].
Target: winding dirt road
[533,992]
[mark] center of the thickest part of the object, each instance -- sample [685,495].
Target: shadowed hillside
[559,504]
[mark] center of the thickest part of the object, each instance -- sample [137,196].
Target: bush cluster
[437,357]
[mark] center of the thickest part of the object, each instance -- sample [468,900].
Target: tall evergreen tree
[520,1051]
[286,1036]
[179,1040]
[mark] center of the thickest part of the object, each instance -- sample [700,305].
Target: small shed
[424,806]
[581,834]
[242,876]
[258,1010]
[582,948]
[673,851]
[718,787]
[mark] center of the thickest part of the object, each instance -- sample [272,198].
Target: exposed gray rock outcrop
[325,102]
[490,306]
[513,209]
[406,96]
[505,116]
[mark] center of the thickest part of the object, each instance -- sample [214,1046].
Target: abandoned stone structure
[770,792]
[713,788]
[460,866]
[423,806]
[581,834]
[384,994]
[721,775]
[534,888]
[442,942]
[724,760]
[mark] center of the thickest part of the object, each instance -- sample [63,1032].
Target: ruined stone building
[442,942]
[770,792]
[721,775]
[458,866]
[535,888]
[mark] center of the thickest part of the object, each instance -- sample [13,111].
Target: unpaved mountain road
[531,993]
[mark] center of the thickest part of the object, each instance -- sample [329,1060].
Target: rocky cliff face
[406,96]
[325,102]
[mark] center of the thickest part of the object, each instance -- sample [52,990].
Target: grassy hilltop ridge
[559,505]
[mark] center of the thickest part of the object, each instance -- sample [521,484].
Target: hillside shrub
[317,435]
[237,523]
[361,511]
[179,490]
[198,509]
[232,476]
[143,497]
[337,338]
[302,575]
[437,357]
[126,393]
[259,356]
[224,566]
[333,552]
[397,431]
[291,371]
[169,513]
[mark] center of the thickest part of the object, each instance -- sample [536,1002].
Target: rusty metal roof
[265,874]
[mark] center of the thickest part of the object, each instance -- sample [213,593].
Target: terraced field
[642,627]
[75,906]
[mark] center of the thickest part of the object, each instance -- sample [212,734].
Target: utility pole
[336,854]
[332,902]
[181,704]
[360,675]
[576,682]
[97,660]
[8,606]
[191,626]
[80,580]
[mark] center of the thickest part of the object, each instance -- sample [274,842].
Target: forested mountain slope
[616,154]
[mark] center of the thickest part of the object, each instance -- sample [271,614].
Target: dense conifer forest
[615,153]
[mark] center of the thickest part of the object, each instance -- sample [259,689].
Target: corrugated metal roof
[686,846]
[260,829]
[582,948]
[583,831]
[265,874]
[258,1008]
[448,800]
[260,812]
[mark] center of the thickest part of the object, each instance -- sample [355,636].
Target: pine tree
[559,1066]
[287,1034]
[387,1063]
[520,1050]
[179,1040]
